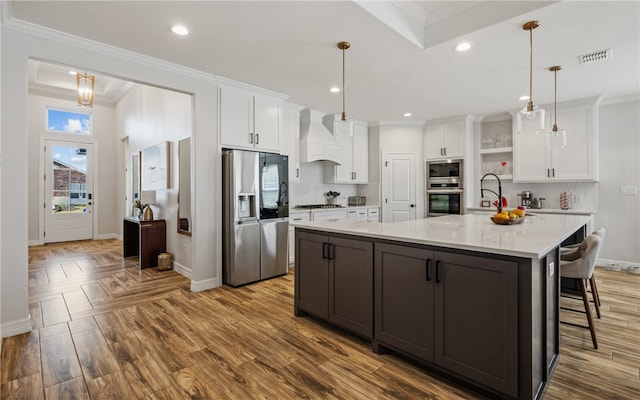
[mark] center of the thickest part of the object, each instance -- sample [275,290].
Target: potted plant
[331,196]
[141,207]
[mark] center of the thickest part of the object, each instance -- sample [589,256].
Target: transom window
[68,121]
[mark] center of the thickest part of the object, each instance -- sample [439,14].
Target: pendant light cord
[530,108]
[344,114]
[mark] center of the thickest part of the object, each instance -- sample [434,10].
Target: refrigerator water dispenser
[246,206]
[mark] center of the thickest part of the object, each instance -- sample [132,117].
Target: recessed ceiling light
[73,73]
[407,114]
[334,89]
[180,30]
[463,46]
[523,97]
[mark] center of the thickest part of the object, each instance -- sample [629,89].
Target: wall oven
[445,191]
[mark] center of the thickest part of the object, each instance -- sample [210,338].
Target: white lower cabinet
[329,214]
[357,214]
[373,215]
[295,217]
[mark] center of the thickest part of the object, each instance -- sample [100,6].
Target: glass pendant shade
[556,138]
[531,121]
[342,127]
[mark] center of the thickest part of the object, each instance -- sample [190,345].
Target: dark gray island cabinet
[335,281]
[478,310]
[459,312]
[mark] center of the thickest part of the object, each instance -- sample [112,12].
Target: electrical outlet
[629,190]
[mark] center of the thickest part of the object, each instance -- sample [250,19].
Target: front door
[68,191]
[399,187]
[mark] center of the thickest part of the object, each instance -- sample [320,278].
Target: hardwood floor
[103,329]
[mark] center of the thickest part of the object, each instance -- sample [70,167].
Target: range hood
[317,143]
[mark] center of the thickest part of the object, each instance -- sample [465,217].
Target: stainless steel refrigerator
[255,216]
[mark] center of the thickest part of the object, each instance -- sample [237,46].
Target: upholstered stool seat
[579,264]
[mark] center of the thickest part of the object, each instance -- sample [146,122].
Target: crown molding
[415,122]
[98,47]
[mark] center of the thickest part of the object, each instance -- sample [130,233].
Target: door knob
[412,205]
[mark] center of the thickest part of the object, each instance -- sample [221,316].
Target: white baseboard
[36,242]
[182,270]
[13,328]
[105,236]
[198,286]
[618,265]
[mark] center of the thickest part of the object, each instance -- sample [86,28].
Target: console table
[145,239]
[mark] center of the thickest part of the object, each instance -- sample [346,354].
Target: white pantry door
[68,188]
[398,187]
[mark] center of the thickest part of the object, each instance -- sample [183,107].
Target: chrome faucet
[499,194]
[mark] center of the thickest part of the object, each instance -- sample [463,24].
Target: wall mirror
[184,186]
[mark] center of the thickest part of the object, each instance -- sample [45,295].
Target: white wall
[20,42]
[149,116]
[399,137]
[102,135]
[619,146]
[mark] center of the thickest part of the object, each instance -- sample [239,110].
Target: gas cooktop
[311,206]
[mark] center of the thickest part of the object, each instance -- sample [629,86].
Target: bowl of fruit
[507,217]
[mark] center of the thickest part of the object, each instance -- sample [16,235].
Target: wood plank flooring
[103,329]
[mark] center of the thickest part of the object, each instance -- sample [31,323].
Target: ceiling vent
[595,56]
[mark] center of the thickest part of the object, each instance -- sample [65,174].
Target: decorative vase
[148,214]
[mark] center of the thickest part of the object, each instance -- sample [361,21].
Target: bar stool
[568,253]
[579,265]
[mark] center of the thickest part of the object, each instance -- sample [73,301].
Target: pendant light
[556,137]
[531,118]
[343,125]
[85,84]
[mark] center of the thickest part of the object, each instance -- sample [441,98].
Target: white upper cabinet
[355,163]
[291,138]
[446,138]
[249,120]
[534,161]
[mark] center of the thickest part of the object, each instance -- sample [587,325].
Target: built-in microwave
[445,191]
[445,171]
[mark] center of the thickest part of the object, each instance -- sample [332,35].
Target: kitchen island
[471,300]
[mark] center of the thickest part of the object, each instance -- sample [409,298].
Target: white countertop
[533,238]
[536,210]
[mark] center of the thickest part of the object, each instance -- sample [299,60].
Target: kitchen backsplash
[311,189]
[584,194]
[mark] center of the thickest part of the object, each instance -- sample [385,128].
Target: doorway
[68,191]
[398,187]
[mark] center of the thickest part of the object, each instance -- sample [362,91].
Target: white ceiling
[392,67]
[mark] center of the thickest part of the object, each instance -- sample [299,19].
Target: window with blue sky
[68,121]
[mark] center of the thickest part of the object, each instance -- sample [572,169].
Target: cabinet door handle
[257,138]
[325,250]
[445,151]
[548,173]
[297,172]
[251,138]
[332,251]
[441,151]
[553,172]
[438,271]
[428,275]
